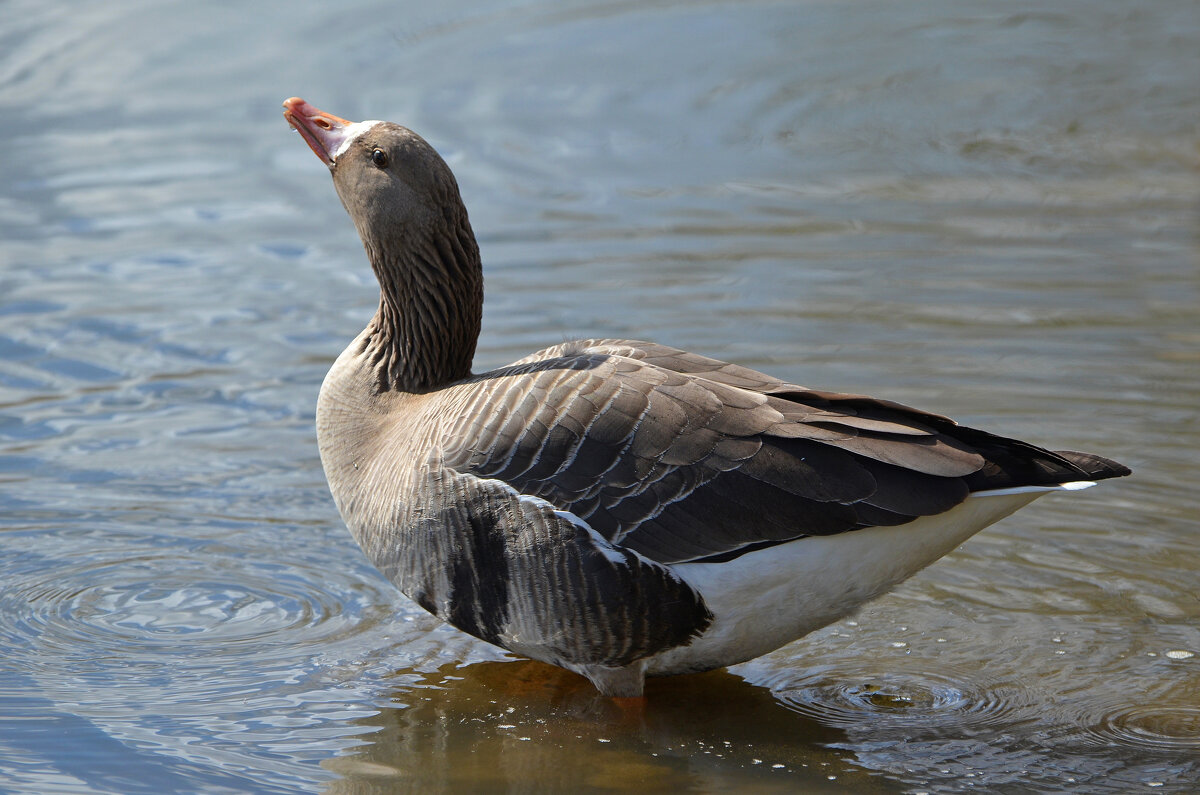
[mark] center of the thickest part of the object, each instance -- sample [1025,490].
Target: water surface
[988,209]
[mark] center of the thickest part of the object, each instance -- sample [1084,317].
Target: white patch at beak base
[347,135]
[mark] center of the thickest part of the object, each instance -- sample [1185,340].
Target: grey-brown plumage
[612,506]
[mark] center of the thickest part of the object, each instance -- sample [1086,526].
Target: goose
[618,508]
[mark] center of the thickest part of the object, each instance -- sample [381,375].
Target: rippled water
[988,208]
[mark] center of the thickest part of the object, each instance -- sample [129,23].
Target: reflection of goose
[614,507]
[517,726]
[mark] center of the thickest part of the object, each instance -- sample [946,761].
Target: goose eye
[379,158]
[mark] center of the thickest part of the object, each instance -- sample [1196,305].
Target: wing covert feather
[682,457]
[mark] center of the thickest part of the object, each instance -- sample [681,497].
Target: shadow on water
[522,725]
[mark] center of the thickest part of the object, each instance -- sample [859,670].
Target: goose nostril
[323,124]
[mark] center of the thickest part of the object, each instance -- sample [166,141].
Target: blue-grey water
[989,209]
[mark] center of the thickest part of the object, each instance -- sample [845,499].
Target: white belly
[769,597]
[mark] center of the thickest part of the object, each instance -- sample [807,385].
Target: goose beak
[324,133]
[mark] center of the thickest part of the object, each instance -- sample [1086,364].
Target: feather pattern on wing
[677,456]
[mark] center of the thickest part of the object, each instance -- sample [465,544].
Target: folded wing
[683,458]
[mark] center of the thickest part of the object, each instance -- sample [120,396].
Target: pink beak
[323,132]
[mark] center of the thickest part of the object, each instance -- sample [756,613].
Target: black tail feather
[1097,467]
[1012,462]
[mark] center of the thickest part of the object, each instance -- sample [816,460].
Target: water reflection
[507,726]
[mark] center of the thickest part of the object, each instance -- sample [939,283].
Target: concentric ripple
[1155,727]
[933,700]
[172,601]
[256,636]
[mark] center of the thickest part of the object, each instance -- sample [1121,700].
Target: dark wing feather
[681,457]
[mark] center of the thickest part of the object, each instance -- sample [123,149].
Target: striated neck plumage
[424,333]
